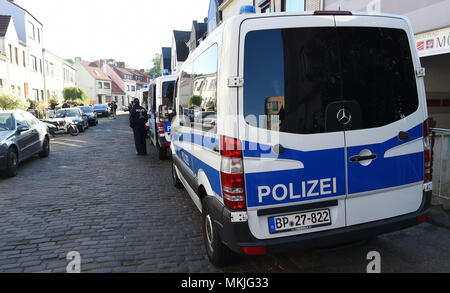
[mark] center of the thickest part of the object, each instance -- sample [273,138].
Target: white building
[94,81]
[27,76]
[59,74]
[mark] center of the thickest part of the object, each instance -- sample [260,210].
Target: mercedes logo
[344,117]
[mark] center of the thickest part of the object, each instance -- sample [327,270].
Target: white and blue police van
[160,113]
[307,130]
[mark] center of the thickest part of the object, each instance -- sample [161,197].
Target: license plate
[300,221]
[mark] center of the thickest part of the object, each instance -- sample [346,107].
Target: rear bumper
[238,235]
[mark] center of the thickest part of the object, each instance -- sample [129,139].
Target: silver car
[21,137]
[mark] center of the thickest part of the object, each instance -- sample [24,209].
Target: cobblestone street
[93,195]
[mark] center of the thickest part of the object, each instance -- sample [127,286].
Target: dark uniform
[138,118]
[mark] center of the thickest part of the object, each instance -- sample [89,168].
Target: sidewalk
[439,217]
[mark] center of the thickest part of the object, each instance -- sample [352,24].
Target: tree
[156,69]
[195,101]
[9,101]
[75,95]
[70,61]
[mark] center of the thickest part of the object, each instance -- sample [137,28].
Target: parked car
[21,137]
[91,115]
[102,110]
[77,117]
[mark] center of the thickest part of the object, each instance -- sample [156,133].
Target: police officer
[138,119]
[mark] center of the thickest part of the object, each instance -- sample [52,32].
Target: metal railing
[441,162]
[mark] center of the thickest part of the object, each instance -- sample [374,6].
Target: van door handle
[357,159]
[403,135]
[216,149]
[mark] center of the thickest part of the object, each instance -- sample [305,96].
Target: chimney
[77,59]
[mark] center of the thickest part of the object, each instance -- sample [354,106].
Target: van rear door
[384,101]
[294,147]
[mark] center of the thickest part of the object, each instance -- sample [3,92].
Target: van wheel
[176,181]
[12,163]
[45,152]
[218,254]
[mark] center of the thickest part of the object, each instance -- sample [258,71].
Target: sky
[132,31]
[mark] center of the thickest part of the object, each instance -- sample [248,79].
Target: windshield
[313,73]
[6,122]
[99,107]
[86,109]
[67,113]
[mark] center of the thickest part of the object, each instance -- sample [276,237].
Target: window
[35,94]
[33,63]
[133,88]
[39,35]
[315,72]
[1,83]
[107,85]
[52,70]
[40,66]
[11,54]
[292,5]
[265,6]
[100,84]
[197,101]
[20,119]
[17,55]
[47,71]
[24,59]
[32,31]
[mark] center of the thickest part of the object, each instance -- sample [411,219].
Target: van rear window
[297,80]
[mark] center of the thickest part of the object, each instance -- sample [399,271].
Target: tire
[218,254]
[73,130]
[12,163]
[175,180]
[45,152]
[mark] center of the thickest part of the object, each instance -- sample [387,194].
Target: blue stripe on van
[321,166]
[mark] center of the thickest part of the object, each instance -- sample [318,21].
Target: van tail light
[427,152]
[232,174]
[161,128]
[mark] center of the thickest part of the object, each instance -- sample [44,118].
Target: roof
[200,30]
[94,70]
[4,24]
[122,70]
[115,89]
[12,2]
[167,57]
[181,38]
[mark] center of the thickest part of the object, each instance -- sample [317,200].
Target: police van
[308,130]
[160,113]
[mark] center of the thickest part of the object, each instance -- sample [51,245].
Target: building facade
[94,81]
[59,74]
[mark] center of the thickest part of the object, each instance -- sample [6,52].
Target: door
[35,142]
[380,90]
[24,139]
[294,147]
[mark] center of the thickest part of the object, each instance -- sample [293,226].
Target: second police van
[160,113]
[306,130]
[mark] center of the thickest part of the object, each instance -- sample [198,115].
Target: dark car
[101,110]
[91,115]
[77,117]
[21,137]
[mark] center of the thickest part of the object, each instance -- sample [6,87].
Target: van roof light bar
[332,12]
